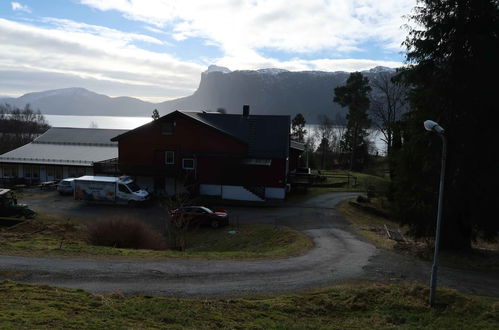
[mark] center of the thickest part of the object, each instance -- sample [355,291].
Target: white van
[121,190]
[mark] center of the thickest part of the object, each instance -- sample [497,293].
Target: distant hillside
[80,101]
[267,91]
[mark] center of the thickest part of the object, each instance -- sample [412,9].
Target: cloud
[16,6]
[66,53]
[82,52]
[293,26]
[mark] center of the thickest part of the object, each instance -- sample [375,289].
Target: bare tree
[388,103]
[177,225]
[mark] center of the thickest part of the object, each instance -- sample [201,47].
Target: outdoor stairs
[257,191]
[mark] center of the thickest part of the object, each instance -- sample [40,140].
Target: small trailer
[119,190]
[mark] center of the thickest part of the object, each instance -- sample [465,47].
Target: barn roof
[67,146]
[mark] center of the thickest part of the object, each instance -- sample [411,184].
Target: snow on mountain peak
[379,69]
[272,71]
[216,68]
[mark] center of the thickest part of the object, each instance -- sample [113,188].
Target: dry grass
[350,306]
[68,238]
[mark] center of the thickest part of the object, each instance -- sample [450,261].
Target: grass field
[364,181]
[58,238]
[357,306]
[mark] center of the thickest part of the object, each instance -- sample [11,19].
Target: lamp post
[432,126]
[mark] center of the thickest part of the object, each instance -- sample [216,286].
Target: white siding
[275,193]
[239,193]
[210,189]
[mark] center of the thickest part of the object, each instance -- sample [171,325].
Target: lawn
[60,238]
[364,182]
[357,306]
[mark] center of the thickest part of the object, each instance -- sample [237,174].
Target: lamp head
[432,126]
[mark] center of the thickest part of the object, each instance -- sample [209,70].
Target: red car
[200,215]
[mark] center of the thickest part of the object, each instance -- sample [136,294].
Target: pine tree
[298,130]
[155,114]
[355,96]
[452,55]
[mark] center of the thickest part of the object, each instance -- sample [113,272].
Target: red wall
[145,145]
[218,156]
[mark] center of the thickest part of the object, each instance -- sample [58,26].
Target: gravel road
[339,255]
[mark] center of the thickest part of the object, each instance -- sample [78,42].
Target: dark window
[27,171]
[169,157]
[167,128]
[188,164]
[123,189]
[36,172]
[49,171]
[58,172]
[133,186]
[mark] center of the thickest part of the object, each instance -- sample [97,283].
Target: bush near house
[125,233]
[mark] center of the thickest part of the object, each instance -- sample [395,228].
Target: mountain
[267,91]
[80,101]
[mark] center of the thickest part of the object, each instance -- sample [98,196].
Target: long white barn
[59,153]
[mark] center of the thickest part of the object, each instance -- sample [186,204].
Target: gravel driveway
[339,255]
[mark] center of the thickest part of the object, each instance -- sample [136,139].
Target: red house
[244,157]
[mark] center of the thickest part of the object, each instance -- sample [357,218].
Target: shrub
[125,233]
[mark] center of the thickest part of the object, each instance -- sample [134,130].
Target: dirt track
[339,255]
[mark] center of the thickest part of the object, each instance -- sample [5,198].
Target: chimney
[245,110]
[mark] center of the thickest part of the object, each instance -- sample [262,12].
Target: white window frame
[188,168]
[167,152]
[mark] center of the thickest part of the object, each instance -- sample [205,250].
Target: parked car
[66,186]
[10,208]
[201,215]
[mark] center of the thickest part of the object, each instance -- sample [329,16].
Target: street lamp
[432,126]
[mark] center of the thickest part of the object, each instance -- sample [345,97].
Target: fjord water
[96,121]
[133,122]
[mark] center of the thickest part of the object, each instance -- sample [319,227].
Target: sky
[156,50]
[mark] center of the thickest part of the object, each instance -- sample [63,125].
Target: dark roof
[80,136]
[266,136]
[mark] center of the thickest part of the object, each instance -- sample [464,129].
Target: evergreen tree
[355,95]
[155,114]
[298,130]
[452,72]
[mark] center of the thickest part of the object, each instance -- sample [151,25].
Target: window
[169,157]
[49,170]
[167,128]
[10,171]
[188,164]
[123,189]
[36,172]
[58,173]
[27,171]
